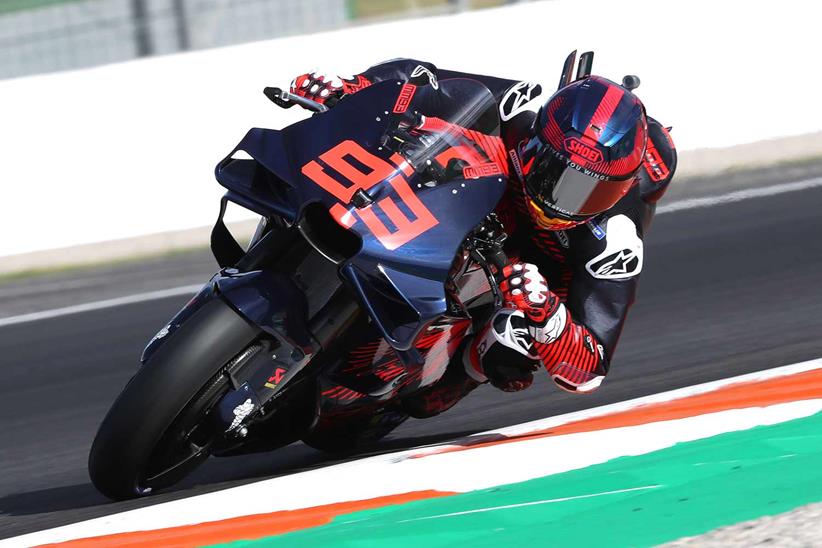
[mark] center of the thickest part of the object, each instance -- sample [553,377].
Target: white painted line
[100,305]
[738,196]
[535,503]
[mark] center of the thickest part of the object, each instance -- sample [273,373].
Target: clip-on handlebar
[284,99]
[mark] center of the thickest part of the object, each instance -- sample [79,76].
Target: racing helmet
[588,145]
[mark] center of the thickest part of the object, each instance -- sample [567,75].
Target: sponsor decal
[575,146]
[276,378]
[654,165]
[558,209]
[419,70]
[516,334]
[404,99]
[623,253]
[509,329]
[482,170]
[241,412]
[562,237]
[515,161]
[580,167]
[161,333]
[482,348]
[589,344]
[516,99]
[521,337]
[596,229]
[553,328]
[615,265]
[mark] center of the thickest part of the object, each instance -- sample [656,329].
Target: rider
[587,167]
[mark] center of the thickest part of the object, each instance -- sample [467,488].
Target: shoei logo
[575,146]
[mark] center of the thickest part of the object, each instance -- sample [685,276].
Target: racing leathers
[567,292]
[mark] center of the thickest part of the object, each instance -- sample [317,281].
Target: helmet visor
[564,189]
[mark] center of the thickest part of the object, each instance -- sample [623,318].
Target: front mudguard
[271,301]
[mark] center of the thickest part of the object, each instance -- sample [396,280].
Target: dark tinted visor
[560,188]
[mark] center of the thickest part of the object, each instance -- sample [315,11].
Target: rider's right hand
[321,88]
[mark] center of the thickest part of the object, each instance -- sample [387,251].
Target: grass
[379,8]
[8,6]
[356,8]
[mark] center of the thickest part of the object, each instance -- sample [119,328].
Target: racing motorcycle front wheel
[158,431]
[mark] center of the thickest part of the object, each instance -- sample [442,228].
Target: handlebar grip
[498,258]
[284,99]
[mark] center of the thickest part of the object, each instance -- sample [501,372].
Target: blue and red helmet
[588,146]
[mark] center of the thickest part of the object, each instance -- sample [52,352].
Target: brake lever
[284,99]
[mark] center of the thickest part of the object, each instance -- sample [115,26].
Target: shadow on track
[34,509]
[53,499]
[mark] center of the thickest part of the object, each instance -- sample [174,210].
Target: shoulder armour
[659,164]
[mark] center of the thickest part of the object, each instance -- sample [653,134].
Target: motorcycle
[377,253]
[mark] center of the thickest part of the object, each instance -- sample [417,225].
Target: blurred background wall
[38,36]
[121,151]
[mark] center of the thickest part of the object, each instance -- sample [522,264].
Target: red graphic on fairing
[339,171]
[436,346]
[474,148]
[337,159]
[341,393]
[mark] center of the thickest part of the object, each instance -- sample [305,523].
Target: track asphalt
[726,290]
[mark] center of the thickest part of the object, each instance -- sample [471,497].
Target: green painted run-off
[702,485]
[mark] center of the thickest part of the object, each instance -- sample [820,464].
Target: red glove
[531,323]
[531,314]
[318,87]
[524,288]
[324,88]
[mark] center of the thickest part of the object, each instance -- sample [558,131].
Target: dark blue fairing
[401,284]
[272,301]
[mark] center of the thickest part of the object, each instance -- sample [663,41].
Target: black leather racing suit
[593,268]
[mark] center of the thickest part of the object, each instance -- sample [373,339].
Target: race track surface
[726,290]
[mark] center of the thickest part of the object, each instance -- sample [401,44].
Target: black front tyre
[155,432]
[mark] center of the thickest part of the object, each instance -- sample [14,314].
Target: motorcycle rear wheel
[157,431]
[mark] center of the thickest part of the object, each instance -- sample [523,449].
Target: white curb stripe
[99,305]
[456,471]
